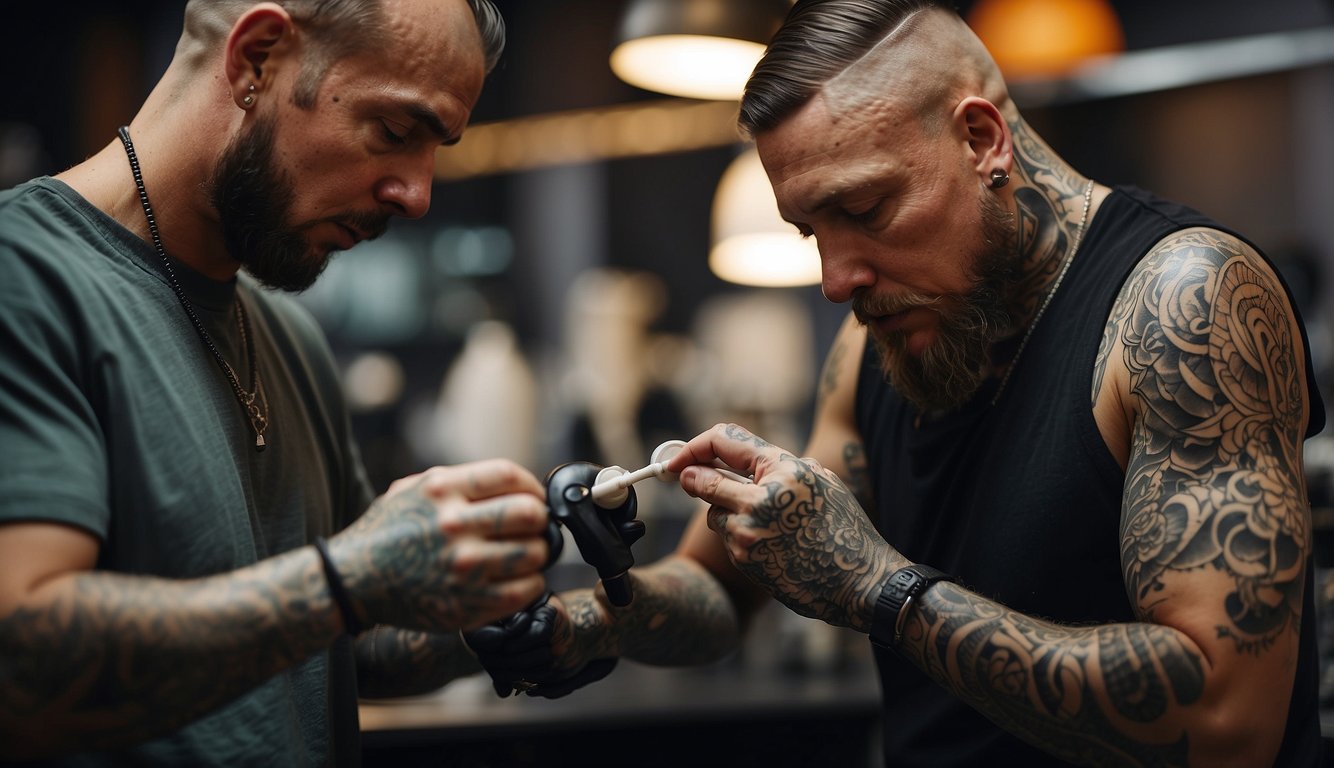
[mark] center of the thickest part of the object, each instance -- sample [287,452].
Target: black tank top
[1022,501]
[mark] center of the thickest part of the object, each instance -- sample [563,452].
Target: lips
[892,322]
[350,235]
[884,321]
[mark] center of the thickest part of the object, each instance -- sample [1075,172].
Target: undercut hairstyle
[817,42]
[336,29]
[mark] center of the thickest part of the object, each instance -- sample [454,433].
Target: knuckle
[505,469]
[437,482]
[452,520]
[518,594]
[465,561]
[530,512]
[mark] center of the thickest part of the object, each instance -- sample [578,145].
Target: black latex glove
[516,653]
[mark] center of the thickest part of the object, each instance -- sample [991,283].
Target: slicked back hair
[818,41]
[336,29]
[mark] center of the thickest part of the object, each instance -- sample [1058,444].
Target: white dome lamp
[752,245]
[698,49]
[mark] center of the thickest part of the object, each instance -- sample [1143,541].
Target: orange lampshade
[1044,38]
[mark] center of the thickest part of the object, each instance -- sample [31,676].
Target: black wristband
[337,589]
[902,587]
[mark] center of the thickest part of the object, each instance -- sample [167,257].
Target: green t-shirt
[114,417]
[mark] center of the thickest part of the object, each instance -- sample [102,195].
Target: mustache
[370,224]
[866,306]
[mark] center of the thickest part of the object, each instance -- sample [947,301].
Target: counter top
[742,714]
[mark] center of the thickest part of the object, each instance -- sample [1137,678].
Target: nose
[407,190]
[842,271]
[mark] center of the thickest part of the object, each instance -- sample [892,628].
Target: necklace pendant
[260,445]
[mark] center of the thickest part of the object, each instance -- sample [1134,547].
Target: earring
[249,97]
[999,178]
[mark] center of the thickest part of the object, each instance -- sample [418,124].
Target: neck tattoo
[1051,293]
[253,401]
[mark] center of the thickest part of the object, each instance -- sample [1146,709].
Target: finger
[481,480]
[516,625]
[485,640]
[480,561]
[711,485]
[511,516]
[502,687]
[717,518]
[528,664]
[594,671]
[733,445]
[501,599]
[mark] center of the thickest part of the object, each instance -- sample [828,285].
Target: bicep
[1215,523]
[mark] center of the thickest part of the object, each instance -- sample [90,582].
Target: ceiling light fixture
[698,49]
[752,245]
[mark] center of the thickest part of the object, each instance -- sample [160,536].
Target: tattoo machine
[599,506]
[603,527]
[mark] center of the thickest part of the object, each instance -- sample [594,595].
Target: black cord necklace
[253,402]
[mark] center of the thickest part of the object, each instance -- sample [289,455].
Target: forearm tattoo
[1214,484]
[401,662]
[1046,683]
[681,615]
[140,657]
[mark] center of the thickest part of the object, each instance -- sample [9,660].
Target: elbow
[1238,735]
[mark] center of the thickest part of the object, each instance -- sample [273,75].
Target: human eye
[868,216]
[393,133]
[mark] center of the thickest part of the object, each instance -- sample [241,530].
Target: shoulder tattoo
[1214,479]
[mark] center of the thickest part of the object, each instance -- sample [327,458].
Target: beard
[253,197]
[953,366]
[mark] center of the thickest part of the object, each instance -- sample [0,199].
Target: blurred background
[580,289]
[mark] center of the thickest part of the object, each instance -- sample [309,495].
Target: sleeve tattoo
[1215,478]
[1214,487]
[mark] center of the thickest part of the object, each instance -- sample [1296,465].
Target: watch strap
[902,587]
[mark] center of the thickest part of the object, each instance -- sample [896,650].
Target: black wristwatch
[903,587]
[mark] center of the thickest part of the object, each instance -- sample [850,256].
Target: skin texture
[1198,392]
[98,660]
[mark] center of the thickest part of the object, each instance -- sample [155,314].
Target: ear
[987,134]
[258,38]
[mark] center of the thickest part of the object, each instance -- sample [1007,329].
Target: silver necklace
[1074,248]
[253,401]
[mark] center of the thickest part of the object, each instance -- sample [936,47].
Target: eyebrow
[837,195]
[427,117]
